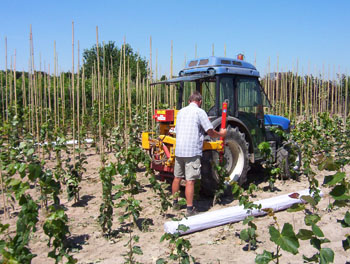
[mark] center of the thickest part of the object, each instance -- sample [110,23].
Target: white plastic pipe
[70,142]
[88,141]
[232,214]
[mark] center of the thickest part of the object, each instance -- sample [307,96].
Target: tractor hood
[275,120]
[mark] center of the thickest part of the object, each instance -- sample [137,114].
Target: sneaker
[191,212]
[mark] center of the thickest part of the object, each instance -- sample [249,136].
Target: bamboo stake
[103,78]
[57,95]
[120,85]
[73,93]
[277,88]
[78,99]
[341,96]
[35,94]
[171,74]
[46,93]
[124,95]
[4,201]
[333,91]
[346,101]
[54,87]
[301,94]
[99,100]
[290,95]
[137,83]
[14,83]
[2,98]
[129,93]
[296,89]
[113,92]
[63,96]
[6,85]
[84,92]
[10,84]
[150,59]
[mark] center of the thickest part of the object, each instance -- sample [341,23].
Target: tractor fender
[235,122]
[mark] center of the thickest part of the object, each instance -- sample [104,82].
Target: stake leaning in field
[191,124]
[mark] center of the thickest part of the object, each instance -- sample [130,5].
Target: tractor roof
[207,67]
[221,65]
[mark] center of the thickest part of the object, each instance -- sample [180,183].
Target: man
[191,124]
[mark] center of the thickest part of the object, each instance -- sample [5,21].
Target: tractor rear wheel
[236,162]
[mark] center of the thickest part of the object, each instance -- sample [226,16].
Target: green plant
[249,234]
[73,176]
[345,223]
[179,247]
[315,235]
[56,228]
[268,164]
[158,188]
[284,239]
[16,250]
[106,208]
[223,178]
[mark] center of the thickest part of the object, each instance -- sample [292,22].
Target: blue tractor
[235,81]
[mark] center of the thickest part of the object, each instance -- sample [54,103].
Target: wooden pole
[14,83]
[6,84]
[99,99]
[73,95]
[78,98]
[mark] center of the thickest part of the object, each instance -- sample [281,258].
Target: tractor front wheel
[289,160]
[235,158]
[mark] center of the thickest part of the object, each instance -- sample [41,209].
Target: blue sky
[314,33]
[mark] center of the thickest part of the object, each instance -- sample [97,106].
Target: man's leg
[189,192]
[175,187]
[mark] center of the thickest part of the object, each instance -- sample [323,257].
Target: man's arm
[214,134]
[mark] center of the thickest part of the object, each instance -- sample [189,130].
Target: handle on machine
[223,117]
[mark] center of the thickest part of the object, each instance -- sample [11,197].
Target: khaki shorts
[188,167]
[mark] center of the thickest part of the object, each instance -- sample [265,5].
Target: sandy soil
[215,245]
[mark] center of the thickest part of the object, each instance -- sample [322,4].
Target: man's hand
[214,134]
[223,132]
